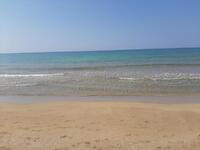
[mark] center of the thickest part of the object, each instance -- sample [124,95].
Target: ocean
[101,73]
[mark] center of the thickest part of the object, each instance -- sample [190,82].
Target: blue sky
[61,25]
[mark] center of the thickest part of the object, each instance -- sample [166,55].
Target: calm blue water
[125,72]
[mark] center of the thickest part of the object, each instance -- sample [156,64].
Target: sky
[74,25]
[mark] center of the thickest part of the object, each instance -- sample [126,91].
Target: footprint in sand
[97,141]
[98,129]
[32,139]
[87,143]
[94,147]
[73,145]
[158,147]
[128,134]
[3,132]
[64,136]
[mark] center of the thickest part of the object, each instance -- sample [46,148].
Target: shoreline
[177,99]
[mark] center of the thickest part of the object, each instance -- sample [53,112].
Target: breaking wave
[30,75]
[165,76]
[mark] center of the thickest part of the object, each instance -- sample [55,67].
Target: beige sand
[99,126]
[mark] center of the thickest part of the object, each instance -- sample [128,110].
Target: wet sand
[99,126]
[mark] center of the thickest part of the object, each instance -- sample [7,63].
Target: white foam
[176,76]
[23,85]
[30,75]
[127,78]
[164,76]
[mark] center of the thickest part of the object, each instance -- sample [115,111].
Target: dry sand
[99,126]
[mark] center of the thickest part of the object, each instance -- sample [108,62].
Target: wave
[127,78]
[176,76]
[102,66]
[24,85]
[30,75]
[165,76]
[17,84]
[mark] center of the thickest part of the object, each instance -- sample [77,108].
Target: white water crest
[165,76]
[127,78]
[30,75]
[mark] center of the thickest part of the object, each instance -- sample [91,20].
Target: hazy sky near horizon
[61,25]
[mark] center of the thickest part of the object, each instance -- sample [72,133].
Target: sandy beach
[99,126]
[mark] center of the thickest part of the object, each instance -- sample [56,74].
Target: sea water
[120,72]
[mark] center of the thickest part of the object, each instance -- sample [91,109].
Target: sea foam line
[127,78]
[30,75]
[165,76]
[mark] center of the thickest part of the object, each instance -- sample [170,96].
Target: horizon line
[98,50]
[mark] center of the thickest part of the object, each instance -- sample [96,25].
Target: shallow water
[137,99]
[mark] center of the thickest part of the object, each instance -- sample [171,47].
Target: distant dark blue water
[124,72]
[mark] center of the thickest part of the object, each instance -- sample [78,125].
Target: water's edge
[137,99]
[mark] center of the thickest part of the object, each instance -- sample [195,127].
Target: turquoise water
[124,72]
